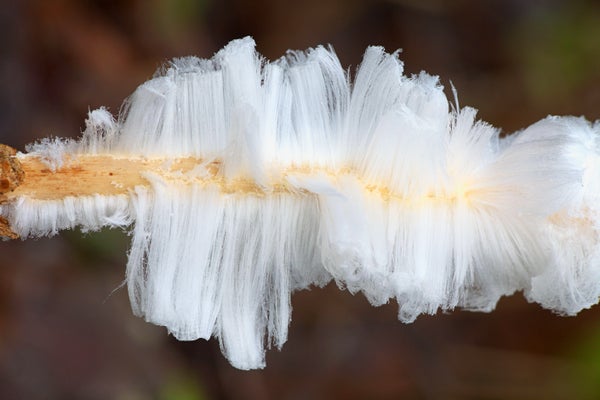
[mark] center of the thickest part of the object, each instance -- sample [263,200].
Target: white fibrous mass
[370,179]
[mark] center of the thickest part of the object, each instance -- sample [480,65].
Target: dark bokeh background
[64,334]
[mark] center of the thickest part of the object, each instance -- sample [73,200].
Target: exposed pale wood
[83,175]
[26,175]
[86,175]
[114,174]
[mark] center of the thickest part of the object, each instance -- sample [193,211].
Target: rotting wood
[11,176]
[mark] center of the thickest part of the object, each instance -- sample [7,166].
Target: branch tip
[11,171]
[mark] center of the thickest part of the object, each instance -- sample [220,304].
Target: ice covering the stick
[371,180]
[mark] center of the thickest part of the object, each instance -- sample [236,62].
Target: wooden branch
[11,176]
[81,175]
[11,173]
[87,175]
[29,176]
[108,174]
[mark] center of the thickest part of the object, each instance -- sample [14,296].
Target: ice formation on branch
[374,181]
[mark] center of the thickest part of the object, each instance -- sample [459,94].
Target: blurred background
[64,333]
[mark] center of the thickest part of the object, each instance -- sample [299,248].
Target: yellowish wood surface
[87,175]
